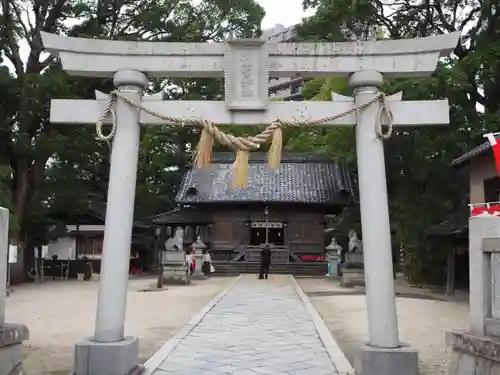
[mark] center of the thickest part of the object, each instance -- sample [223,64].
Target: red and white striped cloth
[489,208]
[485,209]
[495,147]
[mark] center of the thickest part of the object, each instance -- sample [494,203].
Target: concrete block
[381,361]
[353,277]
[175,275]
[170,257]
[11,348]
[465,363]
[106,358]
[13,334]
[492,327]
[11,357]
[473,354]
[478,346]
[482,232]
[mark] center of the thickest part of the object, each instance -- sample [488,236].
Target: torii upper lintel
[396,58]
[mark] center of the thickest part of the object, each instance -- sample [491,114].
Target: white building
[85,239]
[284,88]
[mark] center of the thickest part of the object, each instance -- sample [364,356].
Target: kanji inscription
[247,77]
[246,82]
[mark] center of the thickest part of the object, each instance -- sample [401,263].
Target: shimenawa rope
[242,145]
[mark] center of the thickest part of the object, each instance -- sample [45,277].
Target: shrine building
[477,175]
[286,207]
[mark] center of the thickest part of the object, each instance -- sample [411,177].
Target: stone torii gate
[246,66]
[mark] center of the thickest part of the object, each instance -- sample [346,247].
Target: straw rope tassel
[240,177]
[203,153]
[275,150]
[243,145]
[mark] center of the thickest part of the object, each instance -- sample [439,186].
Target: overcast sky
[286,12]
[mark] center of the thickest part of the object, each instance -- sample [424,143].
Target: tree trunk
[450,274]
[26,183]
[20,195]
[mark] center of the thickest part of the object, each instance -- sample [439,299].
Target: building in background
[290,88]
[476,168]
[284,88]
[84,239]
[285,210]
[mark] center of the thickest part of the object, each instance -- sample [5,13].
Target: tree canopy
[423,187]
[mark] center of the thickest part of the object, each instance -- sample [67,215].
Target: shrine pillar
[11,335]
[109,352]
[384,353]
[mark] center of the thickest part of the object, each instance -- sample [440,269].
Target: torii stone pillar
[112,300]
[109,347]
[382,315]
[11,335]
[246,66]
[384,353]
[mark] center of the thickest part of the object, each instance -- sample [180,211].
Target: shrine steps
[226,268]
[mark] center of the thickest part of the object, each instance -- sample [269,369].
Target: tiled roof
[302,178]
[476,151]
[98,210]
[183,215]
[455,225]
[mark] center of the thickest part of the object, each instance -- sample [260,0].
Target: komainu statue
[176,243]
[355,244]
[353,271]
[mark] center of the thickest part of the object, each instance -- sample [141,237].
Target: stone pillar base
[353,277]
[378,361]
[107,358]
[175,275]
[11,348]
[473,354]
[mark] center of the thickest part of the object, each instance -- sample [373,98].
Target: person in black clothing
[87,269]
[265,261]
[395,259]
[54,266]
[340,262]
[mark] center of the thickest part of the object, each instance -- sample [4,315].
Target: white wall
[64,248]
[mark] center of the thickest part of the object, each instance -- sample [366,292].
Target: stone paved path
[259,327]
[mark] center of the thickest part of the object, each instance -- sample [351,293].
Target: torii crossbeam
[409,113]
[246,66]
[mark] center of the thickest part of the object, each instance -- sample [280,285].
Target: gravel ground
[61,313]
[422,322]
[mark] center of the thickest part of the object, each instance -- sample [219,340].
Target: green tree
[30,143]
[423,187]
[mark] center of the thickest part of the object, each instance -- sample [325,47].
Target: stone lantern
[333,251]
[198,247]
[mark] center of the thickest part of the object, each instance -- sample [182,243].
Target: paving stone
[259,328]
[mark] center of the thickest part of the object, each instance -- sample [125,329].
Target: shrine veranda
[246,66]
